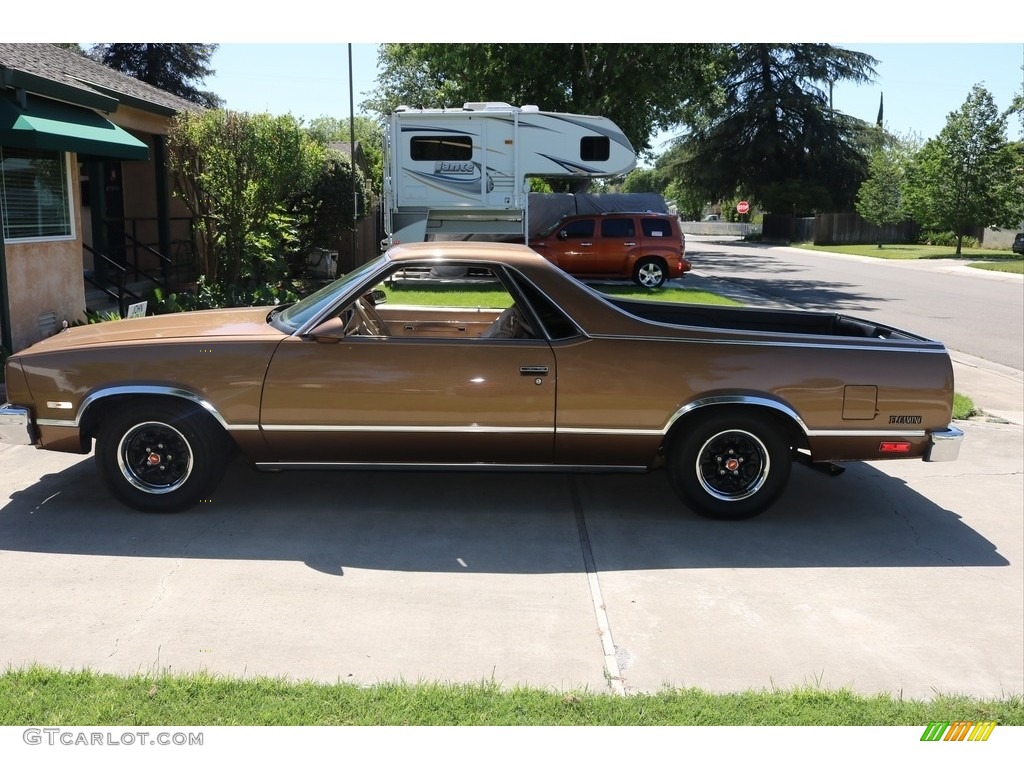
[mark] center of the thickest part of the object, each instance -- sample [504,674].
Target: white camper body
[463,171]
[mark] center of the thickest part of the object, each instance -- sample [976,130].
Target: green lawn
[496,297]
[1006,265]
[1003,261]
[45,697]
[963,407]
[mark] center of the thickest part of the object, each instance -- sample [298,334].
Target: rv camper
[463,171]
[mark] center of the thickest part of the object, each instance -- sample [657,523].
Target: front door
[389,399]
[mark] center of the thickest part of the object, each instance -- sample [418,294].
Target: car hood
[224,323]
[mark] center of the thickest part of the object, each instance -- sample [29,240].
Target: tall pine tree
[178,68]
[773,134]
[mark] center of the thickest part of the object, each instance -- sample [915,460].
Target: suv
[1018,243]
[647,247]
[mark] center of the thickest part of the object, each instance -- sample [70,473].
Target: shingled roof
[55,72]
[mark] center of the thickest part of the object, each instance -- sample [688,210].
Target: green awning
[54,126]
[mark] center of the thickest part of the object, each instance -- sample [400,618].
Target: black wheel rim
[733,465]
[154,457]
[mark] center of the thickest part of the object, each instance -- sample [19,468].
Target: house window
[35,198]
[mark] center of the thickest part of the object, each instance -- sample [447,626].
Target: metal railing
[126,279]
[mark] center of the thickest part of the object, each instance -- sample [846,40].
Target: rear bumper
[16,426]
[944,444]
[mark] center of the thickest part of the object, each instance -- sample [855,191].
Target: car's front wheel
[730,466]
[161,456]
[650,273]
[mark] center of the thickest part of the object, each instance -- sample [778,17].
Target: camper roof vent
[529,108]
[482,106]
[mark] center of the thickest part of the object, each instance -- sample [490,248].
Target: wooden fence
[834,229]
[850,228]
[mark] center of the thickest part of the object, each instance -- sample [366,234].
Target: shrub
[948,239]
[211,295]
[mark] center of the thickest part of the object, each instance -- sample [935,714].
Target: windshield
[301,312]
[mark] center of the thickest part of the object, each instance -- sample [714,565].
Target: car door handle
[630,244]
[533,370]
[586,245]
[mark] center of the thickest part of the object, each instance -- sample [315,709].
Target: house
[85,197]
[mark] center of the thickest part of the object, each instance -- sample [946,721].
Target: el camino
[563,378]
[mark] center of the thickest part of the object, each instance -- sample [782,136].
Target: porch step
[98,301]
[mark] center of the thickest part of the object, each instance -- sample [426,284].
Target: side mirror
[376,296]
[562,234]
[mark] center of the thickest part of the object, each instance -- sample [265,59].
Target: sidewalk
[996,389]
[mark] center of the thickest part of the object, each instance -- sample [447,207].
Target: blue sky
[286,58]
[921,82]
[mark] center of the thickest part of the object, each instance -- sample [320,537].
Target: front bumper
[16,426]
[944,444]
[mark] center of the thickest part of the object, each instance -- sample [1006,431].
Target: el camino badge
[904,419]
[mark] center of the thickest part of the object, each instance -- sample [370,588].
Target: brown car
[562,378]
[648,248]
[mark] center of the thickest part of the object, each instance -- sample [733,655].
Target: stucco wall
[45,277]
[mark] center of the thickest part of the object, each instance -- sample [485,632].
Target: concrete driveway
[897,577]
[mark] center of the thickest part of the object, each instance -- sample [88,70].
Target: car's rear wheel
[650,273]
[161,456]
[730,466]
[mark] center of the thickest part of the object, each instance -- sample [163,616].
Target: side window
[555,321]
[450,302]
[618,228]
[441,148]
[656,228]
[577,230]
[595,148]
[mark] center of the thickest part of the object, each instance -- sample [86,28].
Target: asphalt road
[970,310]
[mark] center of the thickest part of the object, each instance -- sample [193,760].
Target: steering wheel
[373,321]
[361,319]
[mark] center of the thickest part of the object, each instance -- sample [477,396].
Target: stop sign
[742,206]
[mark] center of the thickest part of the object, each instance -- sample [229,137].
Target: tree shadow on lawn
[451,522]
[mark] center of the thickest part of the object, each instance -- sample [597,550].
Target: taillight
[894,447]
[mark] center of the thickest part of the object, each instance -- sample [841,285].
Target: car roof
[465,250]
[618,213]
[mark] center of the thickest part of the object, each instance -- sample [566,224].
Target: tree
[369,134]
[641,87]
[324,208]
[238,173]
[73,47]
[774,133]
[969,176]
[880,198]
[178,68]
[689,200]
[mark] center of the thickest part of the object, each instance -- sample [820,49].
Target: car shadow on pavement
[497,523]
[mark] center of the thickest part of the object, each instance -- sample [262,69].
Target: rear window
[656,227]
[618,228]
